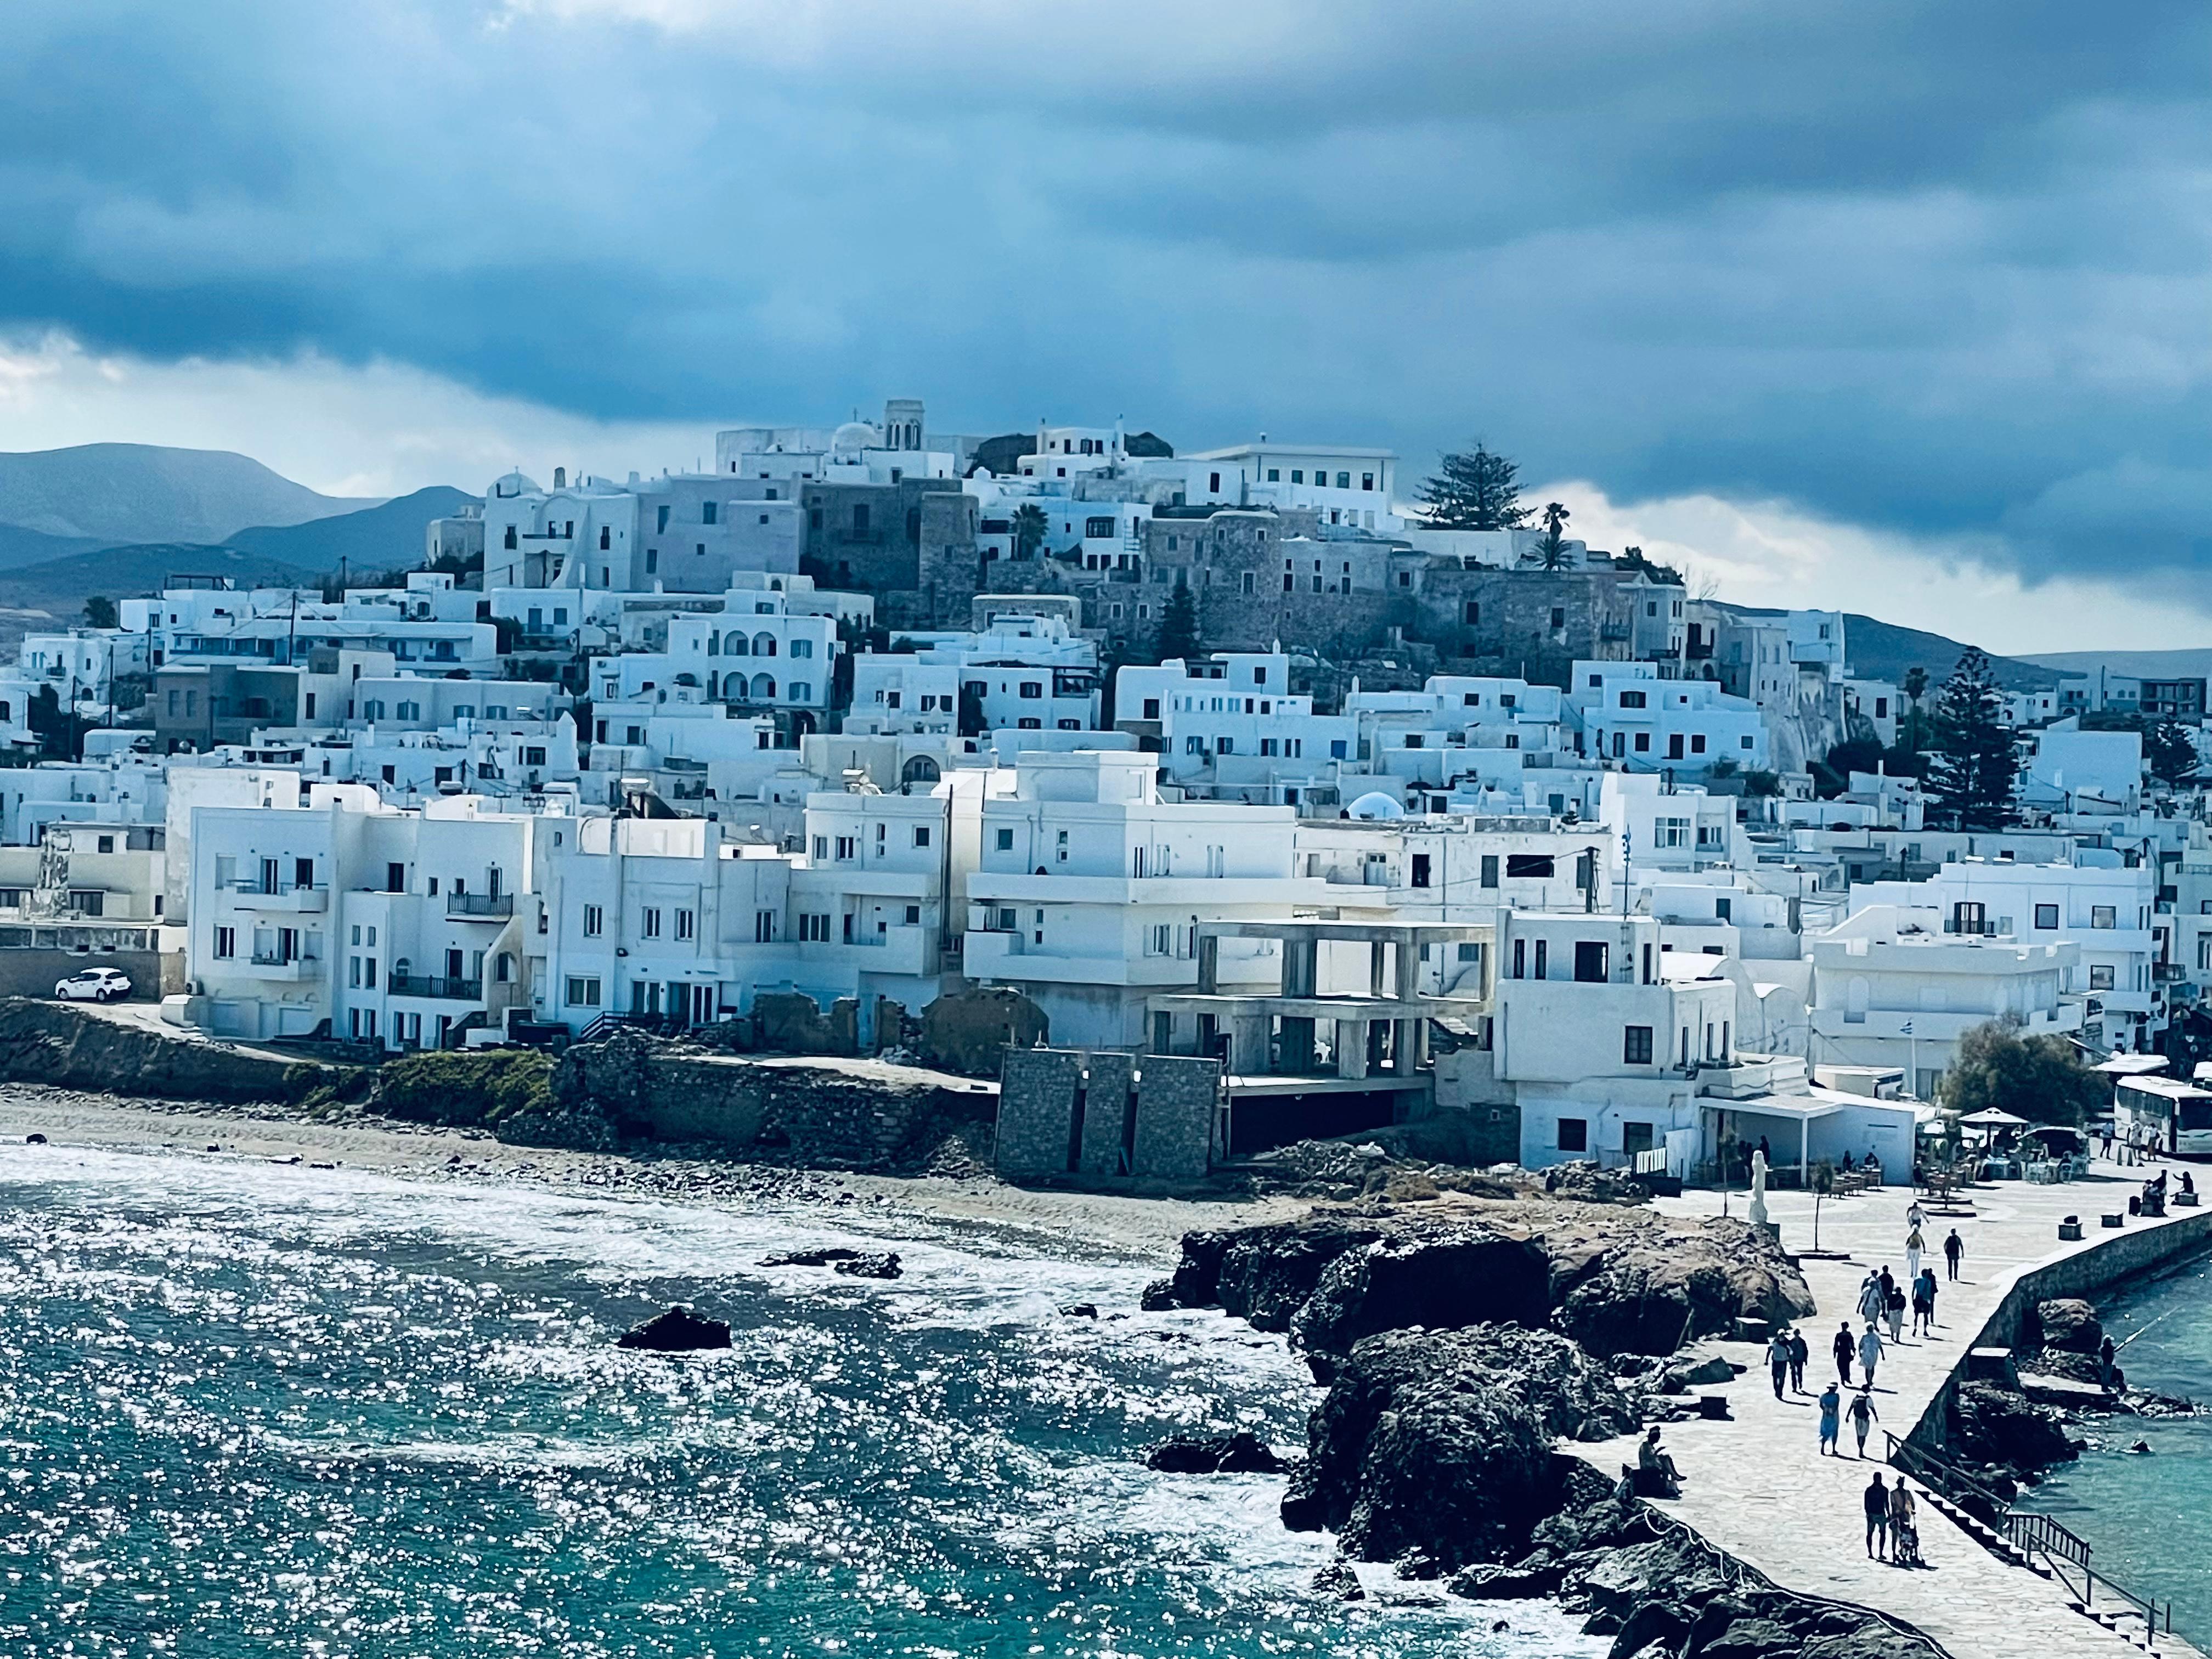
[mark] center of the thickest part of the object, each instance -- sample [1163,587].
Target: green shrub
[465,1089]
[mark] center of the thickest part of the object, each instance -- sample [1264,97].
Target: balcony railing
[488,906]
[433,985]
[278,959]
[1985,927]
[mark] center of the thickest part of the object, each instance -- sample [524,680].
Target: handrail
[2030,1533]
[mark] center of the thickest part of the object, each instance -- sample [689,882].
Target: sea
[2148,1515]
[251,1409]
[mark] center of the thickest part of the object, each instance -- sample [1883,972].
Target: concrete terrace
[1758,1488]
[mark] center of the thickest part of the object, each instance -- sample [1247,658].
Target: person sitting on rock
[1655,1468]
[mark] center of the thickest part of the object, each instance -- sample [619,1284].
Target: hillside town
[1389,800]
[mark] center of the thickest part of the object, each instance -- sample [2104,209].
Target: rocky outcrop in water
[2069,1325]
[1618,1281]
[1440,1442]
[818,1256]
[1241,1453]
[678,1331]
[869,1264]
[1994,1428]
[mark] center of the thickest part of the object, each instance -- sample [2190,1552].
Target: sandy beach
[1141,1229]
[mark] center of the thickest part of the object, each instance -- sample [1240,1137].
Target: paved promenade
[1758,1488]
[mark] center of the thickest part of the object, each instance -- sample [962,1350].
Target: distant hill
[52,593]
[2188,665]
[388,536]
[19,546]
[1884,651]
[142,493]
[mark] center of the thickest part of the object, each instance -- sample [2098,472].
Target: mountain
[19,546]
[140,493]
[1883,651]
[388,536]
[52,594]
[2187,664]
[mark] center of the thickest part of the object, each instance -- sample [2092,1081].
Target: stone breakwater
[1460,1347]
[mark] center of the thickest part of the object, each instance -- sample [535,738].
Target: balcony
[2167,973]
[269,965]
[293,900]
[479,906]
[442,989]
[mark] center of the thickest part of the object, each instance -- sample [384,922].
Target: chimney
[560,477]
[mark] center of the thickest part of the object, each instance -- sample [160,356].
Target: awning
[2132,1064]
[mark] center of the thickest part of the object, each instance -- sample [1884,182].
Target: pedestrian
[2105,1142]
[1863,1417]
[1872,1298]
[1896,1312]
[1953,1248]
[1928,1292]
[1923,1312]
[1800,1352]
[1915,1217]
[1870,1353]
[1777,1360]
[1876,1501]
[1904,1535]
[1832,1406]
[1914,1243]
[1844,1348]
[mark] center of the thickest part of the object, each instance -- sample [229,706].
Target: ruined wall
[1104,1115]
[59,1043]
[845,1114]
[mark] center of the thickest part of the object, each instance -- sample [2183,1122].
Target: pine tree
[1178,635]
[2170,751]
[1973,766]
[1475,491]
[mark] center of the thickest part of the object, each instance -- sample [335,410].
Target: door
[268,876]
[288,945]
[453,964]
[303,873]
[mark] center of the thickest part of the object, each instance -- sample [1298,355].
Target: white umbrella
[1994,1119]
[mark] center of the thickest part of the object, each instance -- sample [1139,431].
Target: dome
[852,438]
[1376,804]
[510,485]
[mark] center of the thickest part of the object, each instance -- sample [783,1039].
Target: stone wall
[62,1044]
[1106,1115]
[33,973]
[842,1114]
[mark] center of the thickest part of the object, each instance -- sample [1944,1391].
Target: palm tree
[1915,687]
[1029,529]
[1552,551]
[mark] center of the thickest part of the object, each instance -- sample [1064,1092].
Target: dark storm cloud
[1936,269]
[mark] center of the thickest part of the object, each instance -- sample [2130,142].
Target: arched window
[734,646]
[763,645]
[920,769]
[764,689]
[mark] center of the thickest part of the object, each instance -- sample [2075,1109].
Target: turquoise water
[252,1410]
[2148,1516]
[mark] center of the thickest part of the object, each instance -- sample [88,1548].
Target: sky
[1895,307]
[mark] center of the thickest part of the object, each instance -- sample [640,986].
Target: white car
[94,985]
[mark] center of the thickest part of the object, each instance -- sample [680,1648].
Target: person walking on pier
[1896,1312]
[1924,1303]
[1777,1360]
[1870,1353]
[1876,1500]
[1914,1243]
[1800,1352]
[1874,1296]
[1832,1406]
[1953,1248]
[1844,1348]
[1863,1417]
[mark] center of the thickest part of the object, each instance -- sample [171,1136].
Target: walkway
[1758,1488]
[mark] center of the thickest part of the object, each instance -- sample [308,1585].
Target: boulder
[1751,1639]
[678,1331]
[1080,1310]
[1661,1287]
[872,1264]
[1529,1580]
[822,1257]
[1652,1627]
[1439,1278]
[1440,1441]
[1871,1640]
[2069,1324]
[1241,1453]
[1991,1425]
[1339,1581]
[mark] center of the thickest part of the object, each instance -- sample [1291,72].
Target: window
[1032,689]
[1367,481]
[860,519]
[1670,832]
[1528,866]
[594,921]
[1097,529]
[1559,615]
[814,929]
[2102,915]
[1005,840]
[708,510]
[1543,950]
[1490,869]
[648,922]
[1420,869]
[1213,482]
[821,848]
[2046,916]
[1591,962]
[686,924]
[583,991]
[2100,977]
[1697,742]
[845,846]
[921,834]
[1574,1134]
[1635,1045]
[1631,700]
[226,944]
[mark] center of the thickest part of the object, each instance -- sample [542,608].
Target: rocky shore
[1460,1340]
